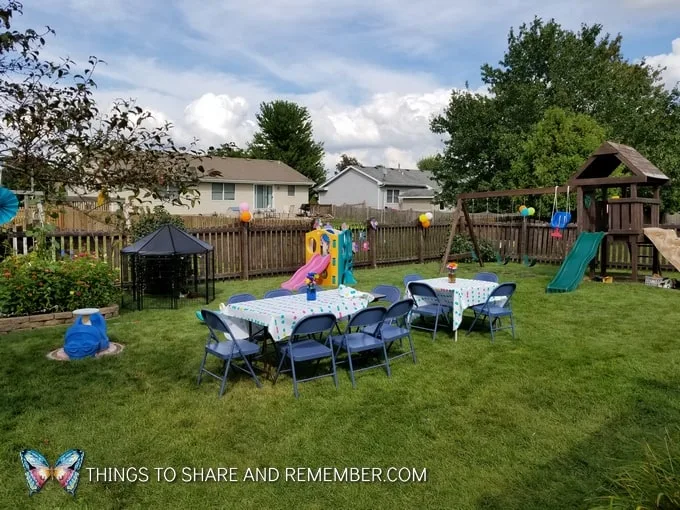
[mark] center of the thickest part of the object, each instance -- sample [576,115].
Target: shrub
[151,221]
[463,244]
[32,285]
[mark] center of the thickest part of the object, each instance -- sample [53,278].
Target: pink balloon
[243,206]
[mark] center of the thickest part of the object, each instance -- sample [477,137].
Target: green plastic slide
[574,265]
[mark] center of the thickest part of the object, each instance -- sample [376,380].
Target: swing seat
[560,220]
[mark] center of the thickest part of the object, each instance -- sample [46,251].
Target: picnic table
[460,295]
[280,314]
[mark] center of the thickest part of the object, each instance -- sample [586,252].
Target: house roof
[607,158]
[417,193]
[250,170]
[385,176]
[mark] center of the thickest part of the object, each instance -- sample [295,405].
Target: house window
[169,193]
[392,196]
[264,198]
[291,191]
[222,191]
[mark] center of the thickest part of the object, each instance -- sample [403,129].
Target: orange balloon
[246,216]
[426,224]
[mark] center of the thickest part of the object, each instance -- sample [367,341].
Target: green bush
[151,221]
[32,285]
[463,244]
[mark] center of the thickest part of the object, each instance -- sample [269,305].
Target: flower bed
[30,285]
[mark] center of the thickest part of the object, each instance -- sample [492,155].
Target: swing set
[559,221]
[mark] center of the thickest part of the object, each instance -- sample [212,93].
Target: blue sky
[371,73]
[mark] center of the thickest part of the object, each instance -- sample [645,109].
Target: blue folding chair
[277,293]
[495,311]
[303,346]
[429,306]
[226,350]
[411,278]
[486,277]
[392,294]
[240,298]
[395,327]
[356,340]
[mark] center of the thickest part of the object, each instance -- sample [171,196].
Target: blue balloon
[525,212]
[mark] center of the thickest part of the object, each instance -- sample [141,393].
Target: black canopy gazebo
[167,269]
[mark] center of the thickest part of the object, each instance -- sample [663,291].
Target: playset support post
[452,233]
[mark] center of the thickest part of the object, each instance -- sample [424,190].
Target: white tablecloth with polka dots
[460,295]
[280,314]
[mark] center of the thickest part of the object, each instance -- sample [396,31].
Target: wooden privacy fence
[361,212]
[242,251]
[506,239]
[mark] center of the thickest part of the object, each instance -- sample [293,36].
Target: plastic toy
[328,253]
[86,337]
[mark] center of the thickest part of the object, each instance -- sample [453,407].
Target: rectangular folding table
[460,295]
[280,314]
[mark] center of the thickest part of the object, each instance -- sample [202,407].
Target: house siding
[419,204]
[243,192]
[352,188]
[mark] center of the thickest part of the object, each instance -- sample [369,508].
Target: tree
[555,147]
[151,220]
[430,163]
[546,66]
[346,161]
[55,139]
[228,150]
[286,135]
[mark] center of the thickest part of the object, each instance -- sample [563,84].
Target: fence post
[372,237]
[523,240]
[244,250]
[421,244]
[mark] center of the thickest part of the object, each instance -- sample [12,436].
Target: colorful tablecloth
[460,295]
[281,314]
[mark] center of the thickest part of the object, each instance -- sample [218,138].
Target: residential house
[266,185]
[381,187]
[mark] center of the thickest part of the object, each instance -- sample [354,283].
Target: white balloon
[429,216]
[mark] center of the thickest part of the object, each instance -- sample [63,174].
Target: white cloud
[223,116]
[671,61]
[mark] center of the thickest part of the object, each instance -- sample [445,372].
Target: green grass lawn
[539,422]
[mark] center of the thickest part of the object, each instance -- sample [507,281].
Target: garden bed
[44,320]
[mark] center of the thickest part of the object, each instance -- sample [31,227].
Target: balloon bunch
[526,211]
[246,216]
[425,219]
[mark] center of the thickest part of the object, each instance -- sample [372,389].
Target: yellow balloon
[522,207]
[422,218]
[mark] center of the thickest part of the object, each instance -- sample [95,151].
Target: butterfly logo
[65,470]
